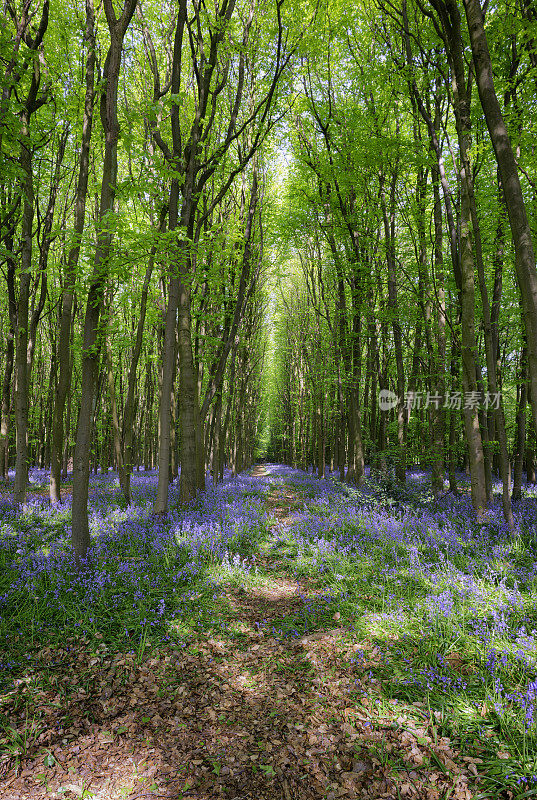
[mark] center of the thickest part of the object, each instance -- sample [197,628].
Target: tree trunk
[67,296]
[21,341]
[514,199]
[169,359]
[6,403]
[91,339]
[461,107]
[468,346]
[440,360]
[520,436]
[401,410]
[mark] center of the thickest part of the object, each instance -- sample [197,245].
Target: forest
[268,389]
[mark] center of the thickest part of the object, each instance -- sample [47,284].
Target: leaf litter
[260,719]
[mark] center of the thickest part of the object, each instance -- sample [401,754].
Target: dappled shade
[285,637]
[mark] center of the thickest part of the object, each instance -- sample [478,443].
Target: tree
[91,344]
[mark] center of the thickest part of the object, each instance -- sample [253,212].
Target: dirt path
[259,718]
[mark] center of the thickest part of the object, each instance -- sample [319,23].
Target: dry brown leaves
[265,719]
[271,719]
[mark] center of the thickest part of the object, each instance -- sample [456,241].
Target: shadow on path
[245,717]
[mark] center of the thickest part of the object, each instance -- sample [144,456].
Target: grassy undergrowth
[448,605]
[444,608]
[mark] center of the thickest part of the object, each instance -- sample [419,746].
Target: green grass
[425,666]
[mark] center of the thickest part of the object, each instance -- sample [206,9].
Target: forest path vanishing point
[281,703]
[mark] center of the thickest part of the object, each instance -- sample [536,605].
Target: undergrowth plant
[448,604]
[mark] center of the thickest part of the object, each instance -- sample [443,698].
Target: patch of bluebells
[434,568]
[497,663]
[429,564]
[139,566]
[233,562]
[440,606]
[437,678]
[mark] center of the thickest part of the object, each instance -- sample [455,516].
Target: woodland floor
[250,718]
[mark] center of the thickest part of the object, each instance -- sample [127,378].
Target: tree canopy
[236,229]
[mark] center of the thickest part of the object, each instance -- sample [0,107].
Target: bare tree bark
[21,338]
[388,213]
[520,436]
[67,296]
[10,359]
[514,199]
[91,340]
[36,98]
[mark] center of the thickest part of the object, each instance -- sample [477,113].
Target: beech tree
[117,27]
[266,228]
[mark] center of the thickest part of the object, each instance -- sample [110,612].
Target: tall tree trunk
[514,199]
[65,361]
[6,404]
[321,444]
[401,410]
[468,346]
[8,368]
[19,310]
[440,361]
[451,22]
[520,436]
[493,388]
[217,441]
[531,472]
[355,427]
[67,448]
[169,362]
[21,341]
[91,339]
